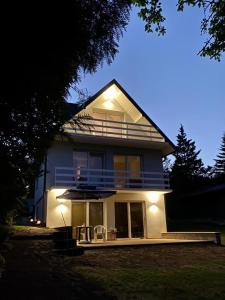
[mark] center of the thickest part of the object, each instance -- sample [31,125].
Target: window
[127,170]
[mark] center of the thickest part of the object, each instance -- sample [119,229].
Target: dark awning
[84,195]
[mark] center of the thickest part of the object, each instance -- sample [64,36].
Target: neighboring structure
[108,171]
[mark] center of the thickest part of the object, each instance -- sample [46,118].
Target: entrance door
[129,219]
[78,214]
[136,216]
[95,213]
[121,219]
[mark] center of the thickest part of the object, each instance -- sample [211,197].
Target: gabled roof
[92,98]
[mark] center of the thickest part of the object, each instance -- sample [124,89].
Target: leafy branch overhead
[212,24]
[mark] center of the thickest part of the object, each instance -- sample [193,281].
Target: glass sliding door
[136,216]
[121,219]
[78,214]
[95,214]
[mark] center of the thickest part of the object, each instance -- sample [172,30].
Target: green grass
[182,274]
[21,227]
[186,283]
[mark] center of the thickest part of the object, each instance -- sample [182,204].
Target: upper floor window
[127,168]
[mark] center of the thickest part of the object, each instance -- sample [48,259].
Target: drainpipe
[44,187]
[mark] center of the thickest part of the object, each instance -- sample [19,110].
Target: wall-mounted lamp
[153,209]
[153,197]
[61,208]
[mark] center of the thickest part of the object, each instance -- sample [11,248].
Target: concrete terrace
[138,242]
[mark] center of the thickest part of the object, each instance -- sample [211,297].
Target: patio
[137,242]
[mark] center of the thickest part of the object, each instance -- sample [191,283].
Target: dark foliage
[188,170]
[219,168]
[212,24]
[44,46]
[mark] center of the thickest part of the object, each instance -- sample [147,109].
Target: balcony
[114,129]
[83,178]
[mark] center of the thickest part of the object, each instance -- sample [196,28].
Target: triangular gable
[134,111]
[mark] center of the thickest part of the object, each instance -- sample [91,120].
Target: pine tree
[220,161]
[187,167]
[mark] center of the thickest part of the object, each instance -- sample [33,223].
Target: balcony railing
[115,129]
[83,178]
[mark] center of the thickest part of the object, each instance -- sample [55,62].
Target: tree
[219,169]
[44,48]
[187,167]
[212,23]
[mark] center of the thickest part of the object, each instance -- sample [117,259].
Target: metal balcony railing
[115,129]
[110,179]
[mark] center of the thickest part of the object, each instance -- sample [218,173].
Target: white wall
[154,218]
[58,209]
[154,211]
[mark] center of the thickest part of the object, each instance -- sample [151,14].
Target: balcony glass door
[119,162]
[85,164]
[127,170]
[95,162]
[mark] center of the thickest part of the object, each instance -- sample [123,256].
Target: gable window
[108,123]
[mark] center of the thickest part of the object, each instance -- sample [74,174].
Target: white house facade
[107,170]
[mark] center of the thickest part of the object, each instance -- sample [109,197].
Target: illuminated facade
[108,170]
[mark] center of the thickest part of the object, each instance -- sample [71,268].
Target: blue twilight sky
[168,80]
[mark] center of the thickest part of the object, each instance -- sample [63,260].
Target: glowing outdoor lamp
[153,197]
[61,208]
[153,209]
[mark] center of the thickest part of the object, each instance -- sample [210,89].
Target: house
[108,170]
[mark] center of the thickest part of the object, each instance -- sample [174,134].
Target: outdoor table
[88,233]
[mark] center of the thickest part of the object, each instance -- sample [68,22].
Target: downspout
[44,189]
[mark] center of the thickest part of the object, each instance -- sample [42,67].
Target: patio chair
[100,230]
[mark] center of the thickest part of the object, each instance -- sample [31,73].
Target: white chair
[100,230]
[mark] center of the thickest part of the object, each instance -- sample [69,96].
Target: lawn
[168,272]
[158,272]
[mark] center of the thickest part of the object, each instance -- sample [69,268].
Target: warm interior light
[110,93]
[108,104]
[153,208]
